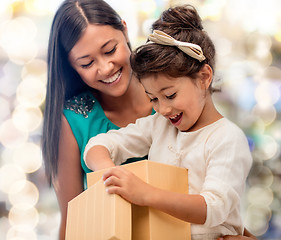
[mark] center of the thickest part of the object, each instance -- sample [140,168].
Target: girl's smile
[176,120]
[184,101]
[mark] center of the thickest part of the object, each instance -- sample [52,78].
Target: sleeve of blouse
[131,141]
[229,161]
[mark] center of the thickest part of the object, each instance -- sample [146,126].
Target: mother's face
[102,59]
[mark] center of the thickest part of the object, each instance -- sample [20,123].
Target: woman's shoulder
[81,104]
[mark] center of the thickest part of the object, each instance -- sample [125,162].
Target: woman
[90,90]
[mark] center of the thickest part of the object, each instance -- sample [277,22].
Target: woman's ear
[125,30]
[205,76]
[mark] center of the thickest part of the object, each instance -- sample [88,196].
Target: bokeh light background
[247,34]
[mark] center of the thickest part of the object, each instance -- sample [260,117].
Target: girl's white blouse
[217,157]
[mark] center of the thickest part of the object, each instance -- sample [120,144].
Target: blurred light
[41,7]
[278,36]
[257,218]
[267,94]
[24,216]
[19,233]
[276,183]
[27,119]
[260,176]
[268,147]
[6,11]
[146,27]
[28,157]
[35,67]
[10,135]
[10,79]
[275,130]
[262,48]
[224,46]
[266,113]
[258,195]
[128,12]
[5,109]
[6,156]
[17,39]
[212,10]
[24,193]
[275,205]
[146,6]
[31,92]
[274,73]
[10,174]
[38,7]
[258,126]
[238,11]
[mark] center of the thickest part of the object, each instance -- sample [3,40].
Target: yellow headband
[193,50]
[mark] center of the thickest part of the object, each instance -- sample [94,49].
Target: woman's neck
[128,107]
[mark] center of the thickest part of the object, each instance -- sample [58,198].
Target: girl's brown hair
[183,24]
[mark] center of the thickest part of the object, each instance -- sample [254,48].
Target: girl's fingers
[112,181]
[117,171]
[113,190]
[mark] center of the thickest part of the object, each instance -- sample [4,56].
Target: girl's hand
[120,181]
[238,237]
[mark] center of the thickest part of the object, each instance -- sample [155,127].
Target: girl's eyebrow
[85,56]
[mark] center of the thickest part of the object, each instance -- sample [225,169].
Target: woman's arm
[69,180]
[190,208]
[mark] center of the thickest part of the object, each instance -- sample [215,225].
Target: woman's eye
[87,65]
[153,99]
[112,50]
[171,96]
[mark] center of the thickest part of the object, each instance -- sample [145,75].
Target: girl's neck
[208,116]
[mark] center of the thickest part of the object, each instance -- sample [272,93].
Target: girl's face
[101,58]
[179,100]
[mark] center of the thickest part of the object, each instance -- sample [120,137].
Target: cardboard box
[144,223]
[94,214]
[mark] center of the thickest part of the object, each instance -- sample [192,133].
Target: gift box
[95,214]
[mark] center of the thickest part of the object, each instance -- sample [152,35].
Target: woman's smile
[114,79]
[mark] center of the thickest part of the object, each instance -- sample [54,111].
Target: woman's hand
[120,181]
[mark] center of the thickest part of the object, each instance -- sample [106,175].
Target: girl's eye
[171,96]
[111,51]
[87,65]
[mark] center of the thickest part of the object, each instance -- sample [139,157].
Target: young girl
[176,69]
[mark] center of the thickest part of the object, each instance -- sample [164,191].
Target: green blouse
[87,119]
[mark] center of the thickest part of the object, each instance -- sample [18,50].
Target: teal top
[87,119]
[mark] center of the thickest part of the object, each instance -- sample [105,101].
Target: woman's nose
[105,68]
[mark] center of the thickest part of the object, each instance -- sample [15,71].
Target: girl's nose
[164,109]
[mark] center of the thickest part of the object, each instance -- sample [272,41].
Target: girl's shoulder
[226,130]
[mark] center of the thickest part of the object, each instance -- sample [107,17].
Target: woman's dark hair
[183,24]
[69,23]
